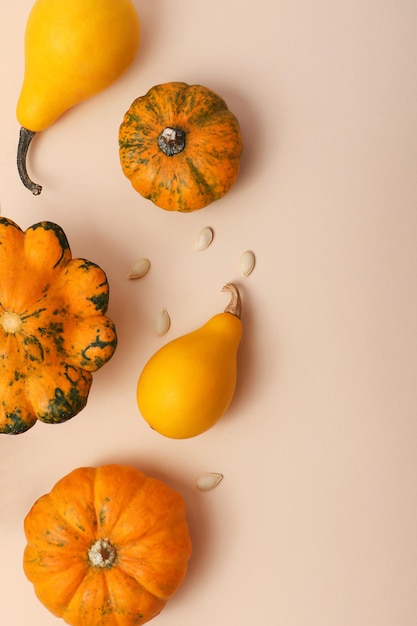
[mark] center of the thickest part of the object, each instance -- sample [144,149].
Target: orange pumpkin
[108,546]
[180,146]
[53,329]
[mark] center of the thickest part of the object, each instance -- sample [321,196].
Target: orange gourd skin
[53,329]
[140,527]
[199,172]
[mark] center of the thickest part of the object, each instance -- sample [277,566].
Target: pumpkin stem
[235,305]
[10,322]
[25,138]
[171,141]
[102,553]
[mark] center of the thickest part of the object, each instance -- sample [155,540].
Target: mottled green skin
[208,165]
[46,364]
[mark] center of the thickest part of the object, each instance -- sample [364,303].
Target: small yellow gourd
[188,385]
[73,50]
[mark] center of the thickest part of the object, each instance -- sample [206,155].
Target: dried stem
[171,141]
[25,138]
[102,554]
[235,305]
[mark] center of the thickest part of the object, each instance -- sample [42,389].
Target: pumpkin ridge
[140,579]
[114,496]
[139,498]
[18,417]
[137,581]
[74,599]
[201,181]
[74,591]
[63,406]
[86,511]
[93,364]
[148,531]
[47,580]
[59,234]
[16,423]
[167,99]
[204,104]
[76,528]
[141,590]
[141,583]
[60,397]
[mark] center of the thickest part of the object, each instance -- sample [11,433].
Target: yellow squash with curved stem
[188,385]
[73,50]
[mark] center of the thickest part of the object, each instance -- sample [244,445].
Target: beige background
[315,521]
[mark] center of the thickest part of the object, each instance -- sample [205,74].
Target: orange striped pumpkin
[180,146]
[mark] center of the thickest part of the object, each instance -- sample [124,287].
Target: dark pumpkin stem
[171,141]
[235,305]
[25,138]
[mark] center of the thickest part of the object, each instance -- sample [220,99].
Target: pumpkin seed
[139,268]
[204,239]
[247,263]
[162,322]
[209,481]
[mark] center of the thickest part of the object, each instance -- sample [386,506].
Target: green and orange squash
[53,329]
[107,546]
[180,146]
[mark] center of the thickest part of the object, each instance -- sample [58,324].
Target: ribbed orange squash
[53,329]
[180,146]
[108,546]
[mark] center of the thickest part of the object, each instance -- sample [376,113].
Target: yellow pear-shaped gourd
[73,50]
[187,385]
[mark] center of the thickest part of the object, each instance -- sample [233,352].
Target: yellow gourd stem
[235,305]
[25,138]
